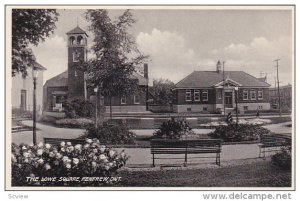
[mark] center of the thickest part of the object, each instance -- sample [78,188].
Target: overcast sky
[182,41]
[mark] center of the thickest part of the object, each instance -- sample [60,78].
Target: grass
[257,174]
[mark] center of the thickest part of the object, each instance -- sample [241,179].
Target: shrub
[79,108]
[65,160]
[116,134]
[19,113]
[173,129]
[240,132]
[74,123]
[283,159]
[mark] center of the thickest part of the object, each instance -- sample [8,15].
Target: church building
[71,84]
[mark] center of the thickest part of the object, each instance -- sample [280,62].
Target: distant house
[210,90]
[285,97]
[71,84]
[22,90]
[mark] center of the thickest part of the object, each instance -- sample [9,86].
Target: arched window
[80,40]
[72,40]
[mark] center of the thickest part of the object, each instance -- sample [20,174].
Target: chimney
[146,71]
[219,66]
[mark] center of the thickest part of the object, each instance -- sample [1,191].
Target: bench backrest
[279,140]
[57,141]
[182,146]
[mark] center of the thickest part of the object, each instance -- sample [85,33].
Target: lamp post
[236,104]
[34,76]
[96,119]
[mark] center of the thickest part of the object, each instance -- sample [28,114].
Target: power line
[224,88]
[279,101]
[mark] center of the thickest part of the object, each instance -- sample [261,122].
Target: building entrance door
[228,99]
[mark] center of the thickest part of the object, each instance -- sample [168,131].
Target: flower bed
[74,123]
[116,134]
[237,133]
[174,129]
[65,160]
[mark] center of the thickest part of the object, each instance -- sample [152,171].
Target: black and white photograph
[149,97]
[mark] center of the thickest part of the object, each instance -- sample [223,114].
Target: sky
[180,41]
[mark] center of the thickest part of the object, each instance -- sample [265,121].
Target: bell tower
[77,52]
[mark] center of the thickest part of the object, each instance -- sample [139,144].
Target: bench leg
[185,160]
[262,152]
[259,156]
[153,163]
[218,159]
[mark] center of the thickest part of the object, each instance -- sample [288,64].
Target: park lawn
[257,174]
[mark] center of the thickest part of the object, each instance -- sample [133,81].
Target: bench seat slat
[200,146]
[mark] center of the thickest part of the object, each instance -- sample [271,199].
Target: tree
[29,26]
[116,54]
[161,91]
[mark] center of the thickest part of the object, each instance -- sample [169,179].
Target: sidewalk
[142,156]
[279,128]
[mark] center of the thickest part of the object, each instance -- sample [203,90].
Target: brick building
[207,91]
[71,84]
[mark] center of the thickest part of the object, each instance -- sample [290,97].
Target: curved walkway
[142,156]
[45,131]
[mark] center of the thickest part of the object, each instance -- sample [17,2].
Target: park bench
[57,141]
[185,147]
[273,143]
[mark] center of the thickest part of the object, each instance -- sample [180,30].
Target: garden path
[141,156]
[280,127]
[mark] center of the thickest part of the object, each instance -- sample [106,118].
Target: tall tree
[117,55]
[161,91]
[29,26]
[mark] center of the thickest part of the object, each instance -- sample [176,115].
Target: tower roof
[77,30]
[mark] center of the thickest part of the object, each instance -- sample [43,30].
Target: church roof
[211,78]
[61,80]
[77,30]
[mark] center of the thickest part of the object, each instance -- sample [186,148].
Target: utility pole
[279,101]
[224,88]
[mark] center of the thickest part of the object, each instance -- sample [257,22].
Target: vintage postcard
[150,97]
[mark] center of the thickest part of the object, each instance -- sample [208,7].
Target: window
[196,95]
[245,94]
[76,56]
[245,108]
[204,108]
[72,40]
[205,95]
[219,95]
[260,107]
[123,100]
[80,40]
[253,95]
[136,99]
[188,95]
[189,109]
[260,95]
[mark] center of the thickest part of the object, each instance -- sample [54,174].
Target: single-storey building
[212,90]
